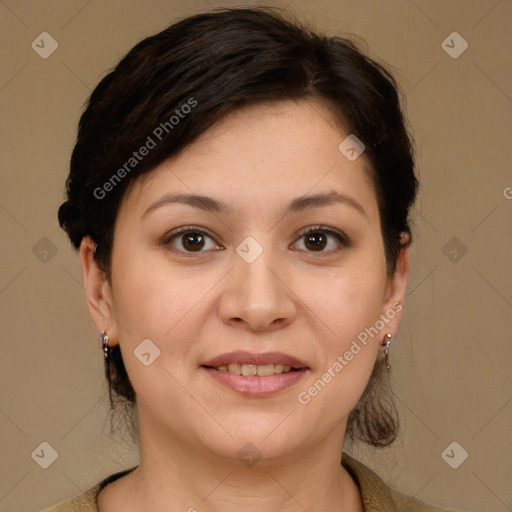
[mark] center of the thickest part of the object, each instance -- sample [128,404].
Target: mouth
[250,364]
[263,370]
[256,375]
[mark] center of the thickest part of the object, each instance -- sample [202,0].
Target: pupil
[317,241]
[193,241]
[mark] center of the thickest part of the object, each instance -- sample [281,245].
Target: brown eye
[193,241]
[190,240]
[315,241]
[323,240]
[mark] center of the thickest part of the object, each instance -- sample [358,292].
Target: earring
[385,348]
[104,343]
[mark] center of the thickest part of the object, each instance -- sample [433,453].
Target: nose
[257,296]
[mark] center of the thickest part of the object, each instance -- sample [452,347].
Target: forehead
[261,154]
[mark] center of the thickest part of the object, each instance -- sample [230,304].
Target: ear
[98,291]
[394,298]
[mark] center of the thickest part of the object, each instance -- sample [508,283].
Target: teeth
[249,369]
[263,370]
[235,368]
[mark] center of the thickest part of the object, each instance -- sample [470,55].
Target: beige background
[452,357]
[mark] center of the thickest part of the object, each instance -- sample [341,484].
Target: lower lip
[253,385]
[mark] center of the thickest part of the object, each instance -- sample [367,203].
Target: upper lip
[255,359]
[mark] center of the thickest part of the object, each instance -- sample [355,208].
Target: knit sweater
[376,495]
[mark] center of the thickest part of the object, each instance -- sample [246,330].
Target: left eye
[191,240]
[319,238]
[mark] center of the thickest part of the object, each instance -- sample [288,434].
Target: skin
[306,303]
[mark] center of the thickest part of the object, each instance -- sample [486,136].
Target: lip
[242,357]
[255,385]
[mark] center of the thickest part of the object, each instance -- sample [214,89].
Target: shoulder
[377,496]
[86,502]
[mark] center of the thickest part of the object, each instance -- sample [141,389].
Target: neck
[191,477]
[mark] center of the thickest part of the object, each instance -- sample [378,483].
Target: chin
[265,439]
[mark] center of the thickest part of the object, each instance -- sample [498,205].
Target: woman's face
[246,286]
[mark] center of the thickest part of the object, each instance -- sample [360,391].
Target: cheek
[348,301]
[346,308]
[152,301]
[346,353]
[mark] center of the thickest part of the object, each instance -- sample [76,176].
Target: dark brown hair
[214,63]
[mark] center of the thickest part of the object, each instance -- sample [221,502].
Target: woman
[239,193]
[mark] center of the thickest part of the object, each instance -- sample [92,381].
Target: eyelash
[339,235]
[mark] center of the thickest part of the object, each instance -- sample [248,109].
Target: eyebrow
[299,204]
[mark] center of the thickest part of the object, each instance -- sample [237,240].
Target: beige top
[376,495]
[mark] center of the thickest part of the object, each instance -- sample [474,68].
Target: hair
[215,63]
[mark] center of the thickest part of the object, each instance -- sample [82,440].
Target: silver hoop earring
[105,345]
[385,348]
